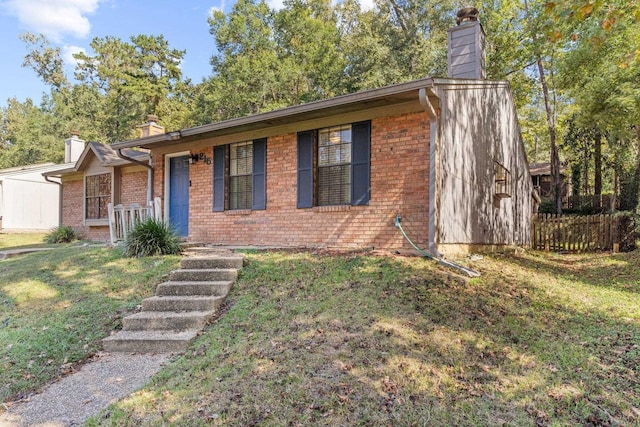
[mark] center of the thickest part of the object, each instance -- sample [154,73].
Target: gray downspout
[433,168]
[149,176]
[46,178]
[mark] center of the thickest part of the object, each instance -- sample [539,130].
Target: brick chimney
[466,46]
[151,127]
[73,147]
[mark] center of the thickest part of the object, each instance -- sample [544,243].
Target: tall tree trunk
[616,186]
[597,163]
[636,176]
[556,182]
[585,171]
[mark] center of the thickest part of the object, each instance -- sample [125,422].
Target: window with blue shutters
[334,165]
[239,176]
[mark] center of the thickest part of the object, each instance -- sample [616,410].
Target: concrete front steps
[182,306]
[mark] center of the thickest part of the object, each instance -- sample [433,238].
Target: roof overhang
[104,155]
[385,97]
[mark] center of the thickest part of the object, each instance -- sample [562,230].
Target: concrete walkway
[79,396]
[8,253]
[83,394]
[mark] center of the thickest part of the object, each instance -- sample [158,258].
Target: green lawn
[12,240]
[538,340]
[351,339]
[56,306]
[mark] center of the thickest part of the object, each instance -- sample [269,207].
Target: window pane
[92,208]
[334,165]
[241,158]
[98,195]
[240,194]
[334,185]
[240,175]
[346,133]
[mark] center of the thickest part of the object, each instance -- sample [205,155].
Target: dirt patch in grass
[375,341]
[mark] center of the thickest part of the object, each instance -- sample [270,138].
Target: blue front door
[179,194]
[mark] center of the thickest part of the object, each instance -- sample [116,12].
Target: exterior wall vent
[466,50]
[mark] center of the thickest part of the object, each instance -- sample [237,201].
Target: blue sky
[72,24]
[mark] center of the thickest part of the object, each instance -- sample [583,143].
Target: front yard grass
[56,306]
[15,240]
[537,340]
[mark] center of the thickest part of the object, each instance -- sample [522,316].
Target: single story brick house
[445,155]
[97,178]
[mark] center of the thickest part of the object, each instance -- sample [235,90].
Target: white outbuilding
[30,201]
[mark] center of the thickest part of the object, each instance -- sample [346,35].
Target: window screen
[334,166]
[240,175]
[97,196]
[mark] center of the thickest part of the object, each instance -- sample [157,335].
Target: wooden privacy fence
[573,233]
[123,218]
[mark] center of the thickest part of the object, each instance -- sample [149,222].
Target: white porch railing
[123,218]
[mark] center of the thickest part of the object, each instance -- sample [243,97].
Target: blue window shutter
[360,163]
[305,169]
[219,160]
[259,174]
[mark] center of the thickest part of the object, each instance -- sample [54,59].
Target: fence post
[575,233]
[616,235]
[157,210]
[112,223]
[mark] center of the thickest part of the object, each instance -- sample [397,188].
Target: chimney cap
[75,132]
[467,14]
[152,118]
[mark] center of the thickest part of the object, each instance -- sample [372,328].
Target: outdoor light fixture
[503,182]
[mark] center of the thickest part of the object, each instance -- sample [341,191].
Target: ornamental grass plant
[62,234]
[151,237]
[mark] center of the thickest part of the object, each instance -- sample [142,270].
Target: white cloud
[276,4]
[216,8]
[67,55]
[54,18]
[367,5]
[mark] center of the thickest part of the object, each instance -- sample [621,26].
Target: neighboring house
[100,177]
[542,180]
[27,201]
[446,155]
[30,201]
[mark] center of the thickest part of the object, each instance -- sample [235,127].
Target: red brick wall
[73,211]
[72,204]
[133,189]
[399,184]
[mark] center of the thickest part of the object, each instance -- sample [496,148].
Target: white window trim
[101,221]
[167,163]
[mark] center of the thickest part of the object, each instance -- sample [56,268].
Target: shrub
[151,237]
[547,206]
[62,234]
